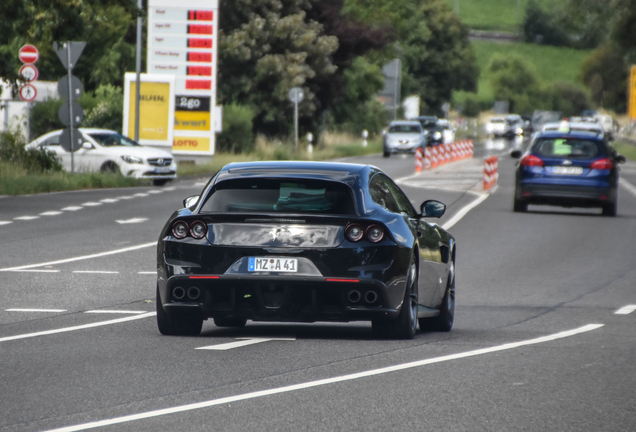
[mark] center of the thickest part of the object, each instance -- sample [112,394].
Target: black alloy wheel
[176,326]
[610,209]
[229,322]
[444,321]
[405,326]
[387,153]
[109,167]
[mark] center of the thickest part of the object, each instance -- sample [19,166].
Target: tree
[515,80]
[606,73]
[432,43]
[267,55]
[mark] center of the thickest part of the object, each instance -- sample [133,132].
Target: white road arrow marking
[131,221]
[241,343]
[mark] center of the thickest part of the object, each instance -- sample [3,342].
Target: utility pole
[138,71]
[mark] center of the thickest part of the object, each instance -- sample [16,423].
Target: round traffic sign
[29,54]
[296,94]
[29,72]
[28,93]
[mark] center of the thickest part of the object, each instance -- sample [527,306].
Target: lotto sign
[182,41]
[28,54]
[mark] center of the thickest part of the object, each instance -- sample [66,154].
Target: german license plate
[162,170]
[568,170]
[257,264]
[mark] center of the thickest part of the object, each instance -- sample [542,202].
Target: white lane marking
[464,211]
[104,311]
[199,184]
[35,271]
[5,222]
[72,208]
[79,258]
[51,213]
[149,273]
[125,197]
[109,200]
[242,343]
[26,217]
[79,327]
[626,310]
[140,195]
[95,272]
[35,310]
[132,221]
[310,384]
[91,204]
[627,185]
[154,192]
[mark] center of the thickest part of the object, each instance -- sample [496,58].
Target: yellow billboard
[632,94]
[154,106]
[192,120]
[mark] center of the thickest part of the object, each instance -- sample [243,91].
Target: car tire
[159,182]
[444,321]
[610,209]
[387,154]
[519,206]
[176,326]
[405,326]
[229,322]
[109,167]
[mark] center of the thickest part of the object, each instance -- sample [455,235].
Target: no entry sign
[29,54]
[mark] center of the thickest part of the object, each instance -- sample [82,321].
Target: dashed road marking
[242,343]
[626,310]
[51,213]
[36,310]
[95,272]
[140,195]
[72,208]
[104,311]
[26,217]
[109,200]
[91,204]
[147,273]
[35,271]
[132,221]
[5,222]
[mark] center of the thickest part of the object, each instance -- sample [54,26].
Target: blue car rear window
[280,196]
[567,148]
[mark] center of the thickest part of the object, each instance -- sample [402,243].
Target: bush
[12,151]
[237,135]
[567,98]
[542,28]
[44,117]
[104,108]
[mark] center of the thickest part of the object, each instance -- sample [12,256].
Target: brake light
[605,163]
[531,160]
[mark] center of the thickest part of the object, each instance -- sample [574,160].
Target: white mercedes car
[105,150]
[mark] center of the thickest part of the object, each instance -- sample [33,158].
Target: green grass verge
[495,15]
[16,181]
[552,64]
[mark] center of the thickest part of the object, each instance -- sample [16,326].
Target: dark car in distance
[305,242]
[433,131]
[568,168]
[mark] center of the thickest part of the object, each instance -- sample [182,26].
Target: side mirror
[87,146]
[620,158]
[515,154]
[190,201]
[432,208]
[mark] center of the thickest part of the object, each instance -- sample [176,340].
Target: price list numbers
[199,42]
[200,15]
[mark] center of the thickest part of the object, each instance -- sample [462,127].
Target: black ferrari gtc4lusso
[305,242]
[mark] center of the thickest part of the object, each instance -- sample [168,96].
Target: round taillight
[180,229]
[198,230]
[375,233]
[354,232]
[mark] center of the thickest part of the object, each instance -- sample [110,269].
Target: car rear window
[567,148]
[280,196]
[405,129]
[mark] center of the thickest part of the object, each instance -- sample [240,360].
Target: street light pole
[138,71]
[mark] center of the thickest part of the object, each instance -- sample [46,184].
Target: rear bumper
[280,298]
[565,195]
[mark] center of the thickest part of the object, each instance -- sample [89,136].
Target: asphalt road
[537,345]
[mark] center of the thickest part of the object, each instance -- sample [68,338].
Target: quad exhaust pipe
[179,293]
[370,297]
[193,293]
[354,296]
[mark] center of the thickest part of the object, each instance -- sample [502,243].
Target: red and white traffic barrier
[441,154]
[491,172]
[418,160]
